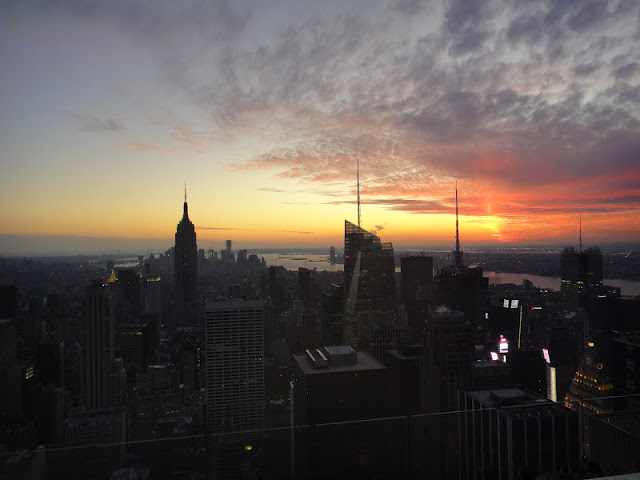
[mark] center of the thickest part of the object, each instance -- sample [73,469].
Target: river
[291,261]
[627,287]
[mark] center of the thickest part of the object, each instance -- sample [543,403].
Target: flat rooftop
[338,349]
[517,403]
[500,397]
[364,362]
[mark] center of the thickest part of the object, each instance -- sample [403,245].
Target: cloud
[525,28]
[177,138]
[252,229]
[91,123]
[185,136]
[271,189]
[627,71]
[223,228]
[586,69]
[410,7]
[144,147]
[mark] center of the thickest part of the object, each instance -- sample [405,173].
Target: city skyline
[264,110]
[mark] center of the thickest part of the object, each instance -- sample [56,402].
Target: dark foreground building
[512,433]
[342,402]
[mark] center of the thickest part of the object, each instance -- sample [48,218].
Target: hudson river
[321,262]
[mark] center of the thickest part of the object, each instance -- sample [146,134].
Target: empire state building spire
[186,273]
[459,257]
[185,215]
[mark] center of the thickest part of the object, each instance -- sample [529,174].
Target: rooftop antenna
[185,208]
[358,187]
[458,256]
[580,232]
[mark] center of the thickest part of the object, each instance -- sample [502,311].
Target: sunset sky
[262,108]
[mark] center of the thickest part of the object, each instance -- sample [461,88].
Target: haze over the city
[262,108]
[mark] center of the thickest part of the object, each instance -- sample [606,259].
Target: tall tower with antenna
[358,188]
[581,271]
[186,270]
[580,231]
[458,255]
[370,319]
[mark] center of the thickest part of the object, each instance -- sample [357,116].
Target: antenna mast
[580,232]
[458,255]
[358,187]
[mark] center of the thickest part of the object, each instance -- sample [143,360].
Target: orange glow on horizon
[404,229]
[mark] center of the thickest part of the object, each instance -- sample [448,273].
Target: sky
[263,108]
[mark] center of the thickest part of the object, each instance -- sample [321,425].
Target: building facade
[234,365]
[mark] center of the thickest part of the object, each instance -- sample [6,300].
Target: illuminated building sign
[545,353]
[510,303]
[504,345]
[494,356]
[553,392]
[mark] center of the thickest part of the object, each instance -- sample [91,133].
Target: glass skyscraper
[370,288]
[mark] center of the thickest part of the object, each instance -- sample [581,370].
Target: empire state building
[186,268]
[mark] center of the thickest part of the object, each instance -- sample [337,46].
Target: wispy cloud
[91,123]
[185,136]
[224,228]
[271,189]
[144,147]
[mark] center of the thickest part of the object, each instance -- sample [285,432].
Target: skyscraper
[581,271]
[186,270]
[370,288]
[591,387]
[99,346]
[448,352]
[9,341]
[235,365]
[463,288]
[226,255]
[416,283]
